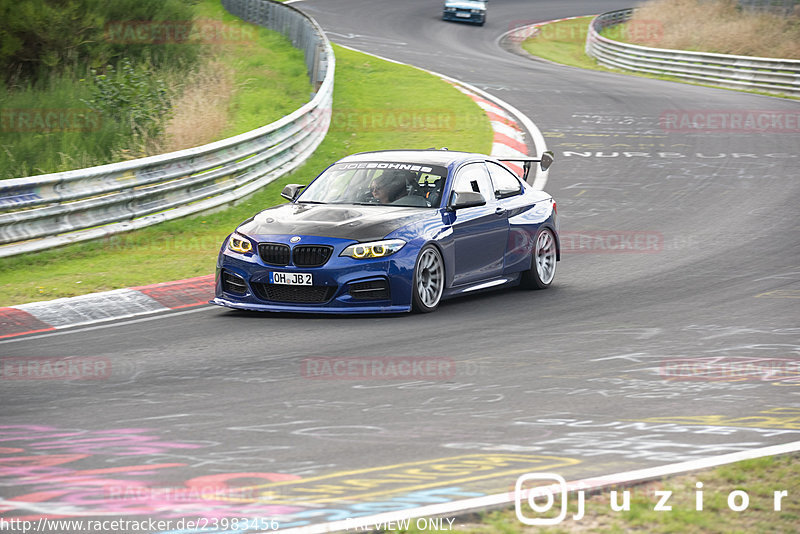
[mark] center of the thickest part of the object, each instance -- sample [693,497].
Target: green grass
[26,148]
[759,478]
[270,74]
[369,95]
[270,80]
[565,42]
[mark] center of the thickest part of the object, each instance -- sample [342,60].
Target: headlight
[376,249]
[239,243]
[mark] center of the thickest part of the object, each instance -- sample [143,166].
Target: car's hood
[360,223]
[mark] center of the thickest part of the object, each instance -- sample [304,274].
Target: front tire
[428,282]
[543,262]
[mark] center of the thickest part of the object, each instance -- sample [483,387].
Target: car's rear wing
[545,160]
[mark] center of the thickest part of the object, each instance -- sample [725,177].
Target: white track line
[596,483]
[111,322]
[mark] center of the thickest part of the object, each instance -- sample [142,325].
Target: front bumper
[464,16]
[297,308]
[342,285]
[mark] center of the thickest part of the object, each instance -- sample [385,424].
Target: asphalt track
[587,378]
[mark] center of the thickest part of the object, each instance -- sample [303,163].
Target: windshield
[471,3]
[378,182]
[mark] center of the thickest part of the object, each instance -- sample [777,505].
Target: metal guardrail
[782,7]
[41,212]
[737,72]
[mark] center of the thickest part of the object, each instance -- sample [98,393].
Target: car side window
[506,183]
[473,178]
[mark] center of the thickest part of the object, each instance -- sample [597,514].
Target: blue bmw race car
[392,231]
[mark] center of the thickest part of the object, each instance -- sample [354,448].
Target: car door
[507,190]
[480,233]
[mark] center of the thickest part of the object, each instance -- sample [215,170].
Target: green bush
[38,37]
[35,150]
[136,98]
[61,59]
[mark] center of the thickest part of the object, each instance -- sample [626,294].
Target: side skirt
[510,280]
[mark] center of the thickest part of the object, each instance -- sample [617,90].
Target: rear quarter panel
[526,214]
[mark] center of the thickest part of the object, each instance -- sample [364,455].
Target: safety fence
[737,72]
[41,212]
[781,7]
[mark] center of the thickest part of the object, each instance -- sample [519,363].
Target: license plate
[463,15]
[291,279]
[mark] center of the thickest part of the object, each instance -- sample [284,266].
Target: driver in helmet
[390,186]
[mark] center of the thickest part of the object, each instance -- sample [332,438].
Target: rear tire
[428,281]
[543,261]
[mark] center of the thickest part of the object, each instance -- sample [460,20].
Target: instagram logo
[539,497]
[531,495]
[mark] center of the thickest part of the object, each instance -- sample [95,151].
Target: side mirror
[461,200]
[547,160]
[291,191]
